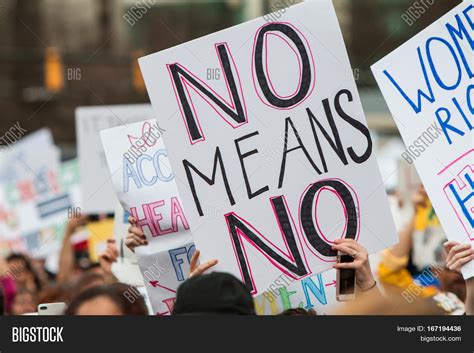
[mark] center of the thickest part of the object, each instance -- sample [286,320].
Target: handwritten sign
[428,86]
[273,160]
[34,210]
[146,188]
[28,155]
[317,292]
[97,192]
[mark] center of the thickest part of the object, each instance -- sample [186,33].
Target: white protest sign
[428,86]
[97,191]
[37,207]
[273,160]
[146,187]
[28,156]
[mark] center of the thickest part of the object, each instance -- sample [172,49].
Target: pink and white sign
[272,157]
[146,188]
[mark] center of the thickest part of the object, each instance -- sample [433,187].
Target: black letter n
[235,110]
[291,264]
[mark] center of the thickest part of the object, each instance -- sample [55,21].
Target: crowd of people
[396,286]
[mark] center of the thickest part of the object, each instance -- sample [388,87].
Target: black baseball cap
[214,293]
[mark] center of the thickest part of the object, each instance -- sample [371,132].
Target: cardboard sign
[272,157]
[146,188]
[428,86]
[98,195]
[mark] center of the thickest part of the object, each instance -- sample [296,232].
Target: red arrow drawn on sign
[156,284]
[162,314]
[333,283]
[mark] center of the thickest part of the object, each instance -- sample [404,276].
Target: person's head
[89,280]
[298,312]
[24,302]
[213,293]
[107,300]
[21,270]
[55,293]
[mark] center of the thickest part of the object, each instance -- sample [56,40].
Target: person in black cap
[214,293]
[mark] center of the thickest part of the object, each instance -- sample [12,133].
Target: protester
[459,255]
[24,302]
[69,270]
[214,293]
[298,312]
[21,268]
[94,290]
[107,300]
[56,293]
[438,284]
[7,286]
[393,268]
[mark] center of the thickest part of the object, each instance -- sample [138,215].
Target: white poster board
[428,86]
[28,156]
[36,209]
[98,195]
[272,157]
[146,187]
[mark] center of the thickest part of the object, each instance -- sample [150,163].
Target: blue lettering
[318,292]
[416,107]
[462,33]
[445,126]
[433,69]
[129,172]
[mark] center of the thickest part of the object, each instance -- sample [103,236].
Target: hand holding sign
[195,269]
[135,236]
[146,188]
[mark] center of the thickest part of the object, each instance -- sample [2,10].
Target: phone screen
[346,277]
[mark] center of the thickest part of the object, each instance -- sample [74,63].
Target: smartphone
[51,308]
[345,280]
